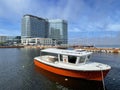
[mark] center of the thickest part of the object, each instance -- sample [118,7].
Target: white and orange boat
[71,63]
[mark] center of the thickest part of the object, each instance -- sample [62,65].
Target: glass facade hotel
[33,26]
[58,30]
[36,27]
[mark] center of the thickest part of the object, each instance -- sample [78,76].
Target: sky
[89,21]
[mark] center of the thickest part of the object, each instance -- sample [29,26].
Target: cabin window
[61,58]
[82,59]
[88,56]
[72,59]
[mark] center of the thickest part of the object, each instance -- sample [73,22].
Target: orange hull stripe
[89,75]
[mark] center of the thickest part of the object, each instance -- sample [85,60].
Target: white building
[38,41]
[33,27]
[3,38]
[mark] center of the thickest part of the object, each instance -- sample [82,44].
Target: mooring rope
[103,83]
[24,66]
[102,79]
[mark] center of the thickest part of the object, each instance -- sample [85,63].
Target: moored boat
[71,63]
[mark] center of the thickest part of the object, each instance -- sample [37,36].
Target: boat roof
[66,52]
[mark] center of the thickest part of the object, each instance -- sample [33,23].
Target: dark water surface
[17,72]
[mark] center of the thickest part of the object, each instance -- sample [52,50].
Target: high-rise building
[33,26]
[36,27]
[58,30]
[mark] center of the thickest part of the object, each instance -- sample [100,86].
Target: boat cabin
[65,56]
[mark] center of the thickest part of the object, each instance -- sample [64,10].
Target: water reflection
[70,83]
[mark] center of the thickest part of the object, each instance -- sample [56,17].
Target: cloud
[75,29]
[86,18]
[12,10]
[113,27]
[7,32]
[73,9]
[16,6]
[94,41]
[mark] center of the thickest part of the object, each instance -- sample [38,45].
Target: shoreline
[11,46]
[102,50]
[92,49]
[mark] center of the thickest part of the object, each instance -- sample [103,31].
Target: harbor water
[107,46]
[17,72]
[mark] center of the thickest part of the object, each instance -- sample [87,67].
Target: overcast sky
[86,18]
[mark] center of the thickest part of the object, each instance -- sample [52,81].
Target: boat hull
[88,75]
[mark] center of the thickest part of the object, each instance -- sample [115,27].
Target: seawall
[11,46]
[102,50]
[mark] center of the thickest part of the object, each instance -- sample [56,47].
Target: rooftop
[34,16]
[66,52]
